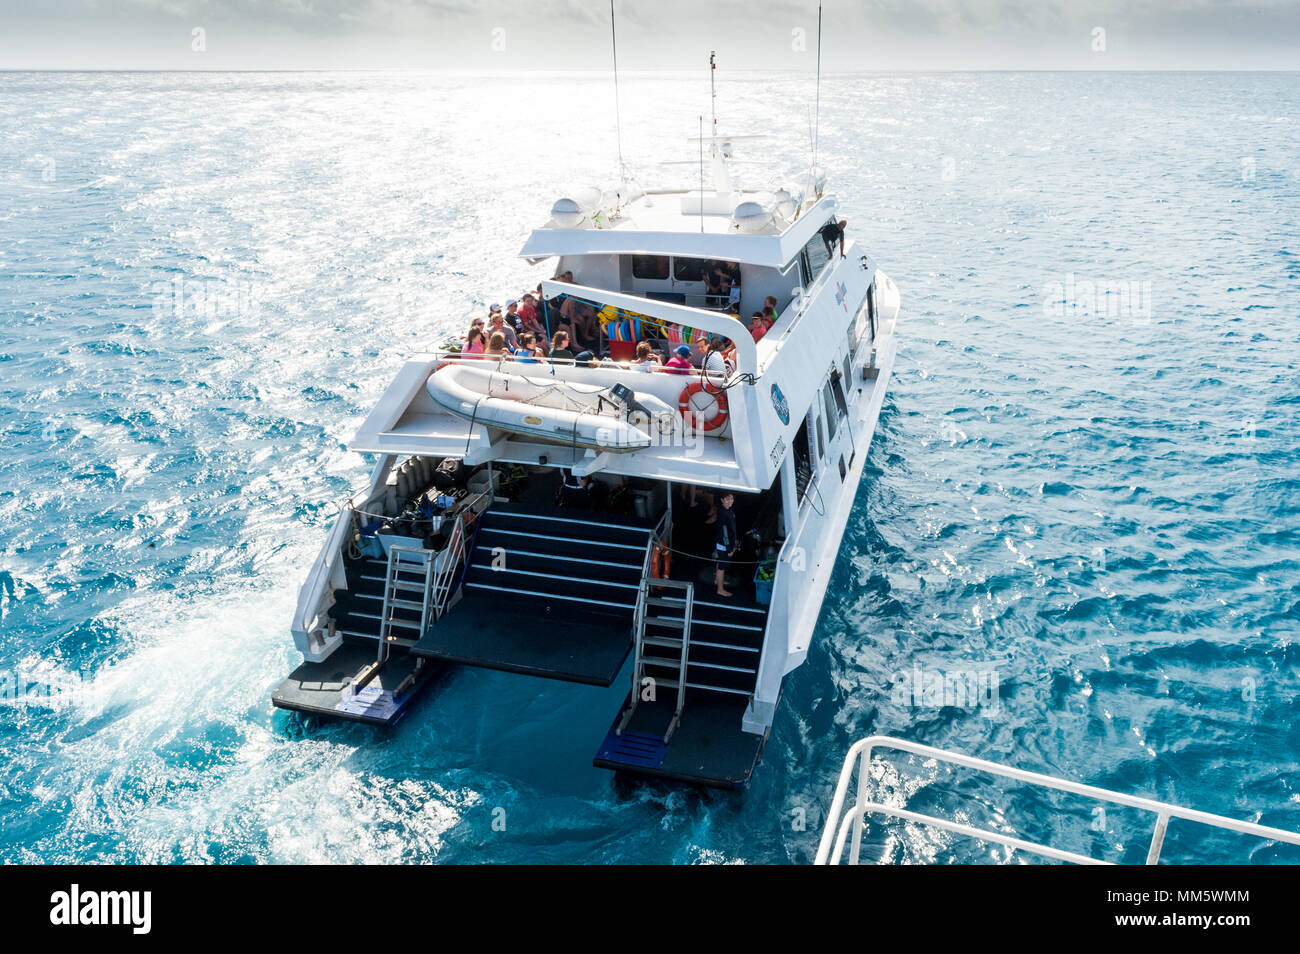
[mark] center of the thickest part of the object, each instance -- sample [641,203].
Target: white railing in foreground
[836,832]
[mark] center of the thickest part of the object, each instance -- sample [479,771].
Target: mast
[618,119]
[818,121]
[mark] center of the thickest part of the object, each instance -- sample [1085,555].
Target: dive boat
[557,518]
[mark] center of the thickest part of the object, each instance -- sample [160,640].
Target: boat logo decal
[841,295]
[782,406]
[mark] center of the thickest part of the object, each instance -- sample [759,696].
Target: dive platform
[326,688]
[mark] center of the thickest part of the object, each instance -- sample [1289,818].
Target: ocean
[1083,489]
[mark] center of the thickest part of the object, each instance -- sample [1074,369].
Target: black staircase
[549,592]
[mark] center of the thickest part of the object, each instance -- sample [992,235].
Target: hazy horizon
[498,35]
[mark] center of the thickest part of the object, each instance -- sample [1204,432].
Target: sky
[496,35]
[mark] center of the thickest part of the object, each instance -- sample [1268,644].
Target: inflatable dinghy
[583,415]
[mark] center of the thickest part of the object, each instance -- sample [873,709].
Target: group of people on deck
[519,332]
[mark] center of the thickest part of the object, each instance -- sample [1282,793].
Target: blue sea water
[206,281]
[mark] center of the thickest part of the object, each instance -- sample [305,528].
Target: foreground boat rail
[859,760]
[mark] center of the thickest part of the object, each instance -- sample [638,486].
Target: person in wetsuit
[726,542]
[831,233]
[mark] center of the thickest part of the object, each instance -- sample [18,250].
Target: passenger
[680,362]
[528,352]
[713,287]
[512,315]
[831,233]
[769,308]
[497,347]
[646,359]
[576,491]
[699,351]
[725,542]
[497,324]
[586,329]
[560,347]
[715,361]
[758,326]
[474,341]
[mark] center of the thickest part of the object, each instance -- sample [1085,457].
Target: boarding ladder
[402,592]
[659,650]
[847,827]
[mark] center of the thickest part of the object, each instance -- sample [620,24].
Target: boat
[557,518]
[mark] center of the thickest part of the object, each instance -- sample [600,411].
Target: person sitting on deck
[560,347]
[528,352]
[715,360]
[497,347]
[497,323]
[758,326]
[512,315]
[725,542]
[680,362]
[475,342]
[646,359]
[586,328]
[831,233]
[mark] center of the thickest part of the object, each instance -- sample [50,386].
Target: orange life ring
[688,409]
[654,561]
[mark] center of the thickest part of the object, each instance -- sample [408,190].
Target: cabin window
[865,322]
[837,388]
[832,418]
[816,256]
[848,375]
[653,267]
[690,269]
[821,435]
[802,462]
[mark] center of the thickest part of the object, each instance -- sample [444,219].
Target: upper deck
[637,263]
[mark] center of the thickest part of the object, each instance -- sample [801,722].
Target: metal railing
[455,552]
[859,761]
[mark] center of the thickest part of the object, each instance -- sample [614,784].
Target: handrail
[835,834]
[455,551]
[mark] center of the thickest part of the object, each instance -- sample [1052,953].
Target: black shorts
[722,559]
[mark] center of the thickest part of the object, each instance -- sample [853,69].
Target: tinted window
[650,266]
[817,257]
[689,269]
[832,416]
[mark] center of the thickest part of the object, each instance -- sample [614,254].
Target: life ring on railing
[661,562]
[694,415]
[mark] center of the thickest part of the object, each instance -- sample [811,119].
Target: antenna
[702,170]
[618,119]
[713,95]
[817,126]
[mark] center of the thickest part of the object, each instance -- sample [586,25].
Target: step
[713,675]
[585,525]
[481,568]
[374,637]
[675,643]
[614,607]
[622,595]
[406,604]
[556,543]
[625,569]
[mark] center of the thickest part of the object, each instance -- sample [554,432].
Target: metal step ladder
[409,560]
[680,644]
